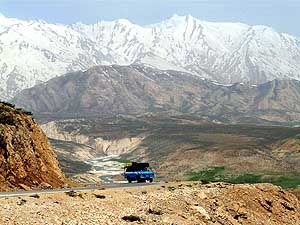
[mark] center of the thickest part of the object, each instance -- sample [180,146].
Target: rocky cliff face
[26,158]
[129,90]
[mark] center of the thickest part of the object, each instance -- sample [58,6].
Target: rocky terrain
[172,203]
[145,114]
[224,52]
[181,147]
[131,90]
[27,160]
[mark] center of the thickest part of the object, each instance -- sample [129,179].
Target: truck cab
[139,172]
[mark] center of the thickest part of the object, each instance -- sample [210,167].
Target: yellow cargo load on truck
[129,164]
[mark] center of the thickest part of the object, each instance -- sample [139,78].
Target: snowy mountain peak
[1,15]
[35,51]
[178,18]
[176,21]
[124,22]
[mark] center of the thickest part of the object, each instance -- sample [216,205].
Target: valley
[178,147]
[179,123]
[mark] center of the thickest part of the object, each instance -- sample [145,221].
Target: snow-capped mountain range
[34,51]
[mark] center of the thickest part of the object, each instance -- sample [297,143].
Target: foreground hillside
[174,203]
[26,158]
[131,90]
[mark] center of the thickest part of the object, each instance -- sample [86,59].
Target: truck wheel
[150,180]
[129,181]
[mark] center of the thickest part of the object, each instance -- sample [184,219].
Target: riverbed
[106,167]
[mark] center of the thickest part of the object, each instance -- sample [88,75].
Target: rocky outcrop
[26,158]
[247,204]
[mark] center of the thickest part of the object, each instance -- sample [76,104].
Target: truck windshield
[134,169]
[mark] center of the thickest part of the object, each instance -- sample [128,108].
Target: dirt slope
[26,157]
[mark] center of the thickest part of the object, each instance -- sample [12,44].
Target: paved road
[102,187]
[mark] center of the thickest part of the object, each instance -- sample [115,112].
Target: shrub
[8,104]
[7,118]
[131,218]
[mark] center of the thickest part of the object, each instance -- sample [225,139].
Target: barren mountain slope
[26,157]
[136,89]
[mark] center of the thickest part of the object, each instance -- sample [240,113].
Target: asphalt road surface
[100,187]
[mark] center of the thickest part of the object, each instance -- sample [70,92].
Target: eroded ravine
[105,153]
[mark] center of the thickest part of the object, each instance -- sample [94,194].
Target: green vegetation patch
[247,178]
[287,181]
[211,174]
[220,174]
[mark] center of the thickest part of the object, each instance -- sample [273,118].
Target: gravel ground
[165,203]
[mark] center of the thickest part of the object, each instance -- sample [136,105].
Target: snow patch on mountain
[35,51]
[155,61]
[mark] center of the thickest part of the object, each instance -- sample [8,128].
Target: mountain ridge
[34,51]
[137,89]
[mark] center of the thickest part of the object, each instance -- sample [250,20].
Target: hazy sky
[283,15]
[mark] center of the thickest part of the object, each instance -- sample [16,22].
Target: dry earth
[27,160]
[165,203]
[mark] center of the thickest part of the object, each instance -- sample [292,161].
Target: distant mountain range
[137,89]
[32,52]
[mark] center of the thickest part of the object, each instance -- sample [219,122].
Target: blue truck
[139,172]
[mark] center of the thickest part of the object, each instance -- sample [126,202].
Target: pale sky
[282,15]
